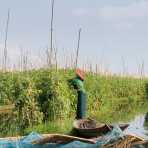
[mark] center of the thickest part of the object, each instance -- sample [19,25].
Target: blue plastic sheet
[25,142]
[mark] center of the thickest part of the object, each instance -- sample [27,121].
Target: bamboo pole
[78,46]
[51,33]
[55,58]
[6,38]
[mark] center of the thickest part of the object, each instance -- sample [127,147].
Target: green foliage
[6,88]
[8,124]
[55,98]
[26,105]
[23,94]
[57,126]
[44,96]
[146,91]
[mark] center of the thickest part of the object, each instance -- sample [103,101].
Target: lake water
[139,126]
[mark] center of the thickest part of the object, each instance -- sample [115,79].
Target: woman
[77,82]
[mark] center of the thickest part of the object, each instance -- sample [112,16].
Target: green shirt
[78,84]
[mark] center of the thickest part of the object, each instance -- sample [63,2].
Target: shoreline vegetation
[44,102]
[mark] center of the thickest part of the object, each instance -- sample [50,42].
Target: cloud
[79,12]
[137,10]
[132,16]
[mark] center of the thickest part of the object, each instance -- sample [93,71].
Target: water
[139,126]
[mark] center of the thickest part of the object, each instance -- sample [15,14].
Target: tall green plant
[26,106]
[55,96]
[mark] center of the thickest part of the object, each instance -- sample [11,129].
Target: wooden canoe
[90,128]
[61,139]
[53,138]
[127,141]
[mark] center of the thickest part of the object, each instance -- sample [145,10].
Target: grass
[58,126]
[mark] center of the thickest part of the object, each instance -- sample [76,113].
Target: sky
[114,32]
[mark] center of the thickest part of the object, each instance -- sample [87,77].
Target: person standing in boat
[77,83]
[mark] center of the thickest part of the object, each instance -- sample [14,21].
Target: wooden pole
[78,46]
[51,35]
[55,58]
[6,37]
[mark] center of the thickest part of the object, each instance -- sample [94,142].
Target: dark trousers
[81,105]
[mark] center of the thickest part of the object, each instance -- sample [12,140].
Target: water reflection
[146,122]
[139,126]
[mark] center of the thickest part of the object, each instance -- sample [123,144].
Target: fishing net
[107,140]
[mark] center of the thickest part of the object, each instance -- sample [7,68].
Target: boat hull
[83,128]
